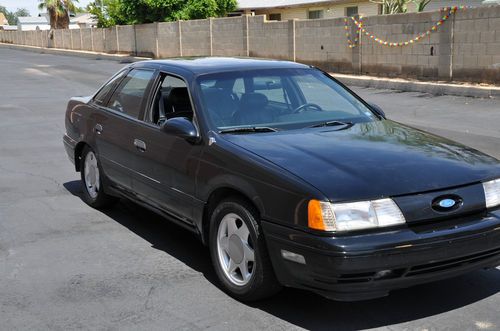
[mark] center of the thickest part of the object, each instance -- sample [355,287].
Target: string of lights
[360,29]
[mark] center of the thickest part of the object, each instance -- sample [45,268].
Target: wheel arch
[215,197]
[78,154]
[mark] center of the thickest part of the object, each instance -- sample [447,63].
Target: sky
[32,5]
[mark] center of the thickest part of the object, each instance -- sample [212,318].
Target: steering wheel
[307,106]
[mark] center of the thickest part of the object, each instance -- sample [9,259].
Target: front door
[168,163]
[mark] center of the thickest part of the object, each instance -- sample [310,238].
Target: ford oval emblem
[446,203]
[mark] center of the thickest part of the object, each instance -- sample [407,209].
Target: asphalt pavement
[65,266]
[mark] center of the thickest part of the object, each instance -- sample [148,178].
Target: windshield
[280,99]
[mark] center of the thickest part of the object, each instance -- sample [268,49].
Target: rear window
[103,95]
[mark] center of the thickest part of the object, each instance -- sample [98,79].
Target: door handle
[98,128]
[140,145]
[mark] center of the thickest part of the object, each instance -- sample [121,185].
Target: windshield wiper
[333,123]
[248,129]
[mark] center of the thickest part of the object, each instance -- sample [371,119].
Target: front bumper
[370,265]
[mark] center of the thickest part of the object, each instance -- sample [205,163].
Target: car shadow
[162,234]
[303,308]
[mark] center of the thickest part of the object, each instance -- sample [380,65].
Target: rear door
[116,123]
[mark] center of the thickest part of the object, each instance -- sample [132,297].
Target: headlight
[492,193]
[354,215]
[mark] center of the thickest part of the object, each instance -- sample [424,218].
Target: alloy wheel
[235,250]
[91,175]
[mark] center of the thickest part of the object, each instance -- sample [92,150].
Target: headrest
[179,95]
[251,101]
[212,94]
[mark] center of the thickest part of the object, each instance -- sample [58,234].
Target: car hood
[370,160]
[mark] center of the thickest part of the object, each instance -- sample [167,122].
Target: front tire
[239,252]
[91,175]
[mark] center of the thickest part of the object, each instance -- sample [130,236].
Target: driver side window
[129,95]
[171,100]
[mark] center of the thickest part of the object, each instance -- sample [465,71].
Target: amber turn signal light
[315,215]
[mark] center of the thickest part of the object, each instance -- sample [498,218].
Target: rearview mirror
[181,127]
[378,110]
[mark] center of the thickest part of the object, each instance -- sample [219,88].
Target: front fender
[280,196]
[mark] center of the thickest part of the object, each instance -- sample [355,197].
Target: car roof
[207,65]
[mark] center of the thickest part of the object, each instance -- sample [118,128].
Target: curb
[423,87]
[125,58]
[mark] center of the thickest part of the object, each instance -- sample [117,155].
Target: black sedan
[287,176]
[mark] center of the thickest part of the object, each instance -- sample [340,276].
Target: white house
[8,27]
[42,22]
[279,10]
[83,21]
[29,23]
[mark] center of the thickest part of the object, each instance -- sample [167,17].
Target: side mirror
[181,127]
[378,110]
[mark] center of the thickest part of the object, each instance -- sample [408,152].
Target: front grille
[418,270]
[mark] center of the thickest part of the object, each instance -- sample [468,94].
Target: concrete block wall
[270,39]
[196,37]
[229,36]
[168,40]
[58,39]
[427,58]
[76,39]
[27,37]
[323,43]
[466,47]
[98,40]
[110,40]
[476,45]
[39,41]
[66,39]
[32,38]
[145,39]
[126,39]
[86,37]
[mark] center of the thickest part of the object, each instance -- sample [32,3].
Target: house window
[351,11]
[315,14]
[275,17]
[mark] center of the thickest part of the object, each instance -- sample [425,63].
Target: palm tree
[420,4]
[58,11]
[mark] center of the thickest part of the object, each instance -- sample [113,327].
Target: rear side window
[130,94]
[106,90]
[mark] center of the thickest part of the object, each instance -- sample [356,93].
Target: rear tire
[239,252]
[92,181]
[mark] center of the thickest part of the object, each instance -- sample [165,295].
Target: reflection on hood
[371,160]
